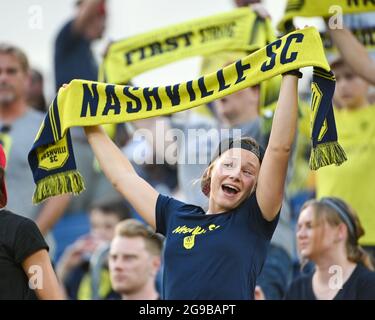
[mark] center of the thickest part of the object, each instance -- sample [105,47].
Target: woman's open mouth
[230,190]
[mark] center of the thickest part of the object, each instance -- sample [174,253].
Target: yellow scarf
[87,103]
[321,8]
[366,36]
[239,29]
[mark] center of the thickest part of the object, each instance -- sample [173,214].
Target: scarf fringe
[57,184]
[326,154]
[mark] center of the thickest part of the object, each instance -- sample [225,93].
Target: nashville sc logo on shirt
[189,240]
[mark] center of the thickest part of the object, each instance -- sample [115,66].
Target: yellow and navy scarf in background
[365,36]
[87,103]
[239,29]
[321,8]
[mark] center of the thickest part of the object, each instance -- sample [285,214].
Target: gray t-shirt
[19,179]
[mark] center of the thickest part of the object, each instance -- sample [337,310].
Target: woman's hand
[260,10]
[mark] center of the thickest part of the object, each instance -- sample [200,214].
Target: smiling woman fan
[216,254]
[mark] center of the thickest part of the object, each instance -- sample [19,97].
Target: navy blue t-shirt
[212,256]
[359,286]
[73,57]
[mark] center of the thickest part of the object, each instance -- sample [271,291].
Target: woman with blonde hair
[327,234]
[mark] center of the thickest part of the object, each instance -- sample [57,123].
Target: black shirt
[19,238]
[359,286]
[212,256]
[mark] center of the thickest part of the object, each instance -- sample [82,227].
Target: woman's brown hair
[335,211]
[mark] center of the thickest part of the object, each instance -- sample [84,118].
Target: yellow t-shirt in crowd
[354,180]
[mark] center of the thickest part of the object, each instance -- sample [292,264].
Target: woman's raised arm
[120,172]
[272,174]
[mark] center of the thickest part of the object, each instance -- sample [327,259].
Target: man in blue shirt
[73,55]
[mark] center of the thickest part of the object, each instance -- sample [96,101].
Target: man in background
[134,261]
[19,124]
